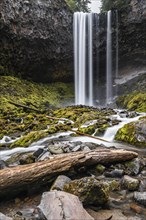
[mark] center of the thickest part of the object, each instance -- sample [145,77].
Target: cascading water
[89,84]
[90,59]
[109,84]
[117,45]
[117,52]
[79,56]
[83,61]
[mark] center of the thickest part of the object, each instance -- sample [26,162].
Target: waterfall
[79,56]
[90,59]
[92,82]
[117,45]
[83,61]
[117,53]
[109,84]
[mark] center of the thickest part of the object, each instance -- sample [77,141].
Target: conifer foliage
[78,5]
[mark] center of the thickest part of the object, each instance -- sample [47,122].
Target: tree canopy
[78,5]
[109,4]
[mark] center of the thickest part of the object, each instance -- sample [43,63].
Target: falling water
[83,70]
[109,87]
[117,54]
[87,78]
[80,55]
[117,45]
[90,59]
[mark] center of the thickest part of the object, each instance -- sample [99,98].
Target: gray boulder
[62,206]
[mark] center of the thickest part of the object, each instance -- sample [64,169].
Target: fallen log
[24,107]
[21,178]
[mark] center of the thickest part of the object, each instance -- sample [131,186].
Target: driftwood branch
[24,107]
[20,178]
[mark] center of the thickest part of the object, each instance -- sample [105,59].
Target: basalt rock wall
[129,26]
[132,36]
[36,39]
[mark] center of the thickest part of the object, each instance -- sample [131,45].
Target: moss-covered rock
[114,185]
[130,183]
[133,133]
[100,168]
[20,158]
[26,140]
[89,190]
[135,101]
[132,167]
[33,136]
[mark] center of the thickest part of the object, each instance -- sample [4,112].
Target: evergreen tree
[109,4]
[78,5]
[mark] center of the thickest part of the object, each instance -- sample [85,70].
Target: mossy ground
[44,97]
[135,101]
[33,94]
[34,126]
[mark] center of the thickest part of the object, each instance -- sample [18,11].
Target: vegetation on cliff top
[109,4]
[78,5]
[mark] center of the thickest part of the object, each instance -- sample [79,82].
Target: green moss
[129,133]
[89,190]
[114,185]
[34,95]
[135,101]
[88,130]
[26,140]
[100,168]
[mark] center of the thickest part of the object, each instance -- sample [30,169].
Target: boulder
[130,183]
[132,167]
[140,197]
[60,182]
[4,217]
[89,190]
[62,206]
[133,133]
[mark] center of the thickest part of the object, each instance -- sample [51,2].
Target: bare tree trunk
[20,178]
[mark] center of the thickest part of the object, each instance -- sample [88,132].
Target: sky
[95,6]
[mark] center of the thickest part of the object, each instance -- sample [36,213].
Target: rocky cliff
[129,35]
[36,38]
[132,36]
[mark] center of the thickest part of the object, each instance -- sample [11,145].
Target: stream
[65,137]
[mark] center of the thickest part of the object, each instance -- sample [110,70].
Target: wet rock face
[132,32]
[36,38]
[131,39]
